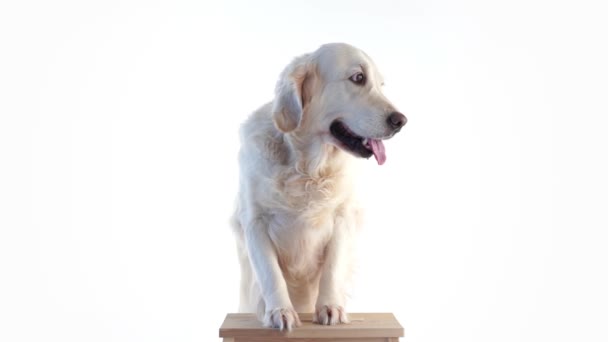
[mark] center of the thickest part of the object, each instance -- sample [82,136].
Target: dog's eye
[358,78]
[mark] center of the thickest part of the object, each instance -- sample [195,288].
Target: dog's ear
[291,94]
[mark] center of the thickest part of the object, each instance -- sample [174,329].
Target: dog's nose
[396,120]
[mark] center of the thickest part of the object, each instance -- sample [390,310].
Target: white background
[118,142]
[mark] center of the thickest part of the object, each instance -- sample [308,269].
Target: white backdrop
[118,142]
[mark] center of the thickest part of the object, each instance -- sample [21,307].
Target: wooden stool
[364,327]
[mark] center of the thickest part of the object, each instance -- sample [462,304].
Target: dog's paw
[330,315]
[282,319]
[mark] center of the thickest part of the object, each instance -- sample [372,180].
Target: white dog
[295,215]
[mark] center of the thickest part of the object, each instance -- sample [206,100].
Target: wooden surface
[363,327]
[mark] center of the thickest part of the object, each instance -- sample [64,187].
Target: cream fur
[296,215]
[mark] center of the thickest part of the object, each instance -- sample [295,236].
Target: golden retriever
[296,215]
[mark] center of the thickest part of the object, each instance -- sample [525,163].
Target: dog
[296,214]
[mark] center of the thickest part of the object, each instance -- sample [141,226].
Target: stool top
[361,325]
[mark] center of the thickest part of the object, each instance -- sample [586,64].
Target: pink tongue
[378,150]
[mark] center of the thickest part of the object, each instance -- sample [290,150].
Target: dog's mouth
[358,145]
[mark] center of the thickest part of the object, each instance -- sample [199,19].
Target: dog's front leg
[279,312]
[329,309]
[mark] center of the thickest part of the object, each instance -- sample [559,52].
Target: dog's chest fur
[303,223]
[299,193]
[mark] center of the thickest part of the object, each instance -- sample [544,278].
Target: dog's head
[334,94]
